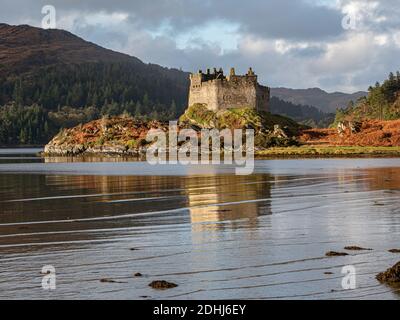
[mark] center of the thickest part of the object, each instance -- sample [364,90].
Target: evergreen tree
[146,101]
[172,111]
[138,111]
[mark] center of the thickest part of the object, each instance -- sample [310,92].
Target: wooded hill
[51,79]
[381,103]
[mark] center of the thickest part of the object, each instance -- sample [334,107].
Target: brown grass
[373,133]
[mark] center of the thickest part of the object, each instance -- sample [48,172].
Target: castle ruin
[220,92]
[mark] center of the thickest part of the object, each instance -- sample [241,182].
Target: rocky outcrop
[127,135]
[270,130]
[348,126]
[118,135]
[390,276]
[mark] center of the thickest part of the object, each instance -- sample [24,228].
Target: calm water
[216,235]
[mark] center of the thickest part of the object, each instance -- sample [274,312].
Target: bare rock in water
[162,285]
[391,275]
[356,248]
[336,254]
[394,250]
[138,274]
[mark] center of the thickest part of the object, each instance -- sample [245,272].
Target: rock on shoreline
[391,275]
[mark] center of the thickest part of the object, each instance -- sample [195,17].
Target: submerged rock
[162,285]
[105,280]
[336,254]
[356,248]
[391,275]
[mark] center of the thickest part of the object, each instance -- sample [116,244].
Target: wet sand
[212,233]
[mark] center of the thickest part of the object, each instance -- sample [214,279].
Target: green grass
[330,151]
[199,115]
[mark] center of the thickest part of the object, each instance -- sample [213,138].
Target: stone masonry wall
[236,94]
[205,93]
[229,92]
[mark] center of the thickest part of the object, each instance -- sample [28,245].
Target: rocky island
[125,135]
[274,135]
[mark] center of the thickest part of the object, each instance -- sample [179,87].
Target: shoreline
[305,151]
[22,146]
[329,151]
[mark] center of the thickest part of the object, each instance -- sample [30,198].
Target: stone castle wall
[219,92]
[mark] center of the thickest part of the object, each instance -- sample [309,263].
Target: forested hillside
[66,95]
[97,84]
[382,103]
[51,79]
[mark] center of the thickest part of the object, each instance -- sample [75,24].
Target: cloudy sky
[337,45]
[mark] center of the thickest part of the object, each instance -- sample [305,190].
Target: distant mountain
[307,115]
[315,97]
[24,49]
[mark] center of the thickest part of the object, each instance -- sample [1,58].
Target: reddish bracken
[373,133]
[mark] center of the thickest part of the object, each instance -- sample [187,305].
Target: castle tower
[220,92]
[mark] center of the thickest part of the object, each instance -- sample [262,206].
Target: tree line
[96,84]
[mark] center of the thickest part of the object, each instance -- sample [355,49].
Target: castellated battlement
[220,92]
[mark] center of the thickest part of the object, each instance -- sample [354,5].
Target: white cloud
[289,43]
[351,53]
[282,46]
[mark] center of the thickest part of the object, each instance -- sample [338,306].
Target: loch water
[215,234]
